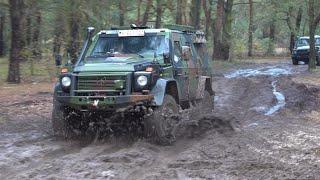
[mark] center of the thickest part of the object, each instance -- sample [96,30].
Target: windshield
[128,46]
[305,42]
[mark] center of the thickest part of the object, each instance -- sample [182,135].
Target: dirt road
[265,126]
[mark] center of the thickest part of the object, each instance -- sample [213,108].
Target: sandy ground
[265,126]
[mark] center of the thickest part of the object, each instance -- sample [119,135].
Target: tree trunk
[292,41]
[74,24]
[179,12]
[227,30]
[58,33]
[122,12]
[74,44]
[159,14]
[17,41]
[28,29]
[2,45]
[272,29]
[265,31]
[296,29]
[139,12]
[146,13]
[312,30]
[195,13]
[207,5]
[250,39]
[312,56]
[218,30]
[36,50]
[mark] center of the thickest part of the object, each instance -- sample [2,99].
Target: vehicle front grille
[101,85]
[303,52]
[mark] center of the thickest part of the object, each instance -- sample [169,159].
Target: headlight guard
[66,82]
[142,81]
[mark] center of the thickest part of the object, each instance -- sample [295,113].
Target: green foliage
[57,17]
[3,69]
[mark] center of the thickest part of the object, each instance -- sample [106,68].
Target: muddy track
[264,127]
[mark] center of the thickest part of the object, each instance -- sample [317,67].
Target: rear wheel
[202,107]
[161,126]
[207,103]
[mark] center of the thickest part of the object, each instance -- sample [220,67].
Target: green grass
[43,70]
[3,69]
[225,65]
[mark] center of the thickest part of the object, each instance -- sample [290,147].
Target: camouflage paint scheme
[184,77]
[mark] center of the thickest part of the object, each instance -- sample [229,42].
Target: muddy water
[281,101]
[236,141]
[262,71]
[269,71]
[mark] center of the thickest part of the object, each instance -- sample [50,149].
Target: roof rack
[178,27]
[132,26]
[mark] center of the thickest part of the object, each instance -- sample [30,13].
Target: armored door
[181,71]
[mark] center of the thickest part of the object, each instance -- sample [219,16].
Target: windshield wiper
[140,55]
[102,52]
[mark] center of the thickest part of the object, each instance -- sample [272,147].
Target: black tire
[295,62]
[160,127]
[58,119]
[62,118]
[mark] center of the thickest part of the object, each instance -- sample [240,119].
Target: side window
[177,51]
[200,53]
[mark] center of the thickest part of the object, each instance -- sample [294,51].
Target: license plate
[128,33]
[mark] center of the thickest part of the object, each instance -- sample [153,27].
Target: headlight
[142,80]
[66,81]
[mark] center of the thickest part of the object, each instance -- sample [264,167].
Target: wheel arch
[172,89]
[163,87]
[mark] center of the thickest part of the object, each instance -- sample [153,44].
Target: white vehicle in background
[301,50]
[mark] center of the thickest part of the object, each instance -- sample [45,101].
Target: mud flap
[201,87]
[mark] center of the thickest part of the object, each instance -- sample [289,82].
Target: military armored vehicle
[160,69]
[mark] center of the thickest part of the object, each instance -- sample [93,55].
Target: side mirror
[69,61]
[166,58]
[186,53]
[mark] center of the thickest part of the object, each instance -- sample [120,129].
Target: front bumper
[304,58]
[104,102]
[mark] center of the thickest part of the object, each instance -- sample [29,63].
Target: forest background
[33,32]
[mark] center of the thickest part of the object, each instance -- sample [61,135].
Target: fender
[159,90]
[57,88]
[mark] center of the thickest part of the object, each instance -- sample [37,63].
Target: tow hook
[95,103]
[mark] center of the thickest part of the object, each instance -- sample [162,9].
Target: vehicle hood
[305,47]
[113,64]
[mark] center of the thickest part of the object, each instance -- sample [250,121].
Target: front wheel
[161,126]
[63,119]
[295,62]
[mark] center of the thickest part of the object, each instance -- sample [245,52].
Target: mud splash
[281,101]
[265,71]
